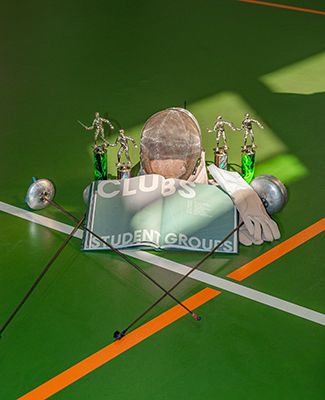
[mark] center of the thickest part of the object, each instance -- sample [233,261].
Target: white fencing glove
[258,225]
[245,237]
[200,175]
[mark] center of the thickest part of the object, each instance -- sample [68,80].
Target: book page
[125,213]
[197,217]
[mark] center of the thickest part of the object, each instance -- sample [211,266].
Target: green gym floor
[63,60]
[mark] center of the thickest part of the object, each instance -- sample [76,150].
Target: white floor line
[181,269]
[39,219]
[232,287]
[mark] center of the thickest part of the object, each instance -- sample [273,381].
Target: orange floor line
[277,251]
[114,349]
[285,6]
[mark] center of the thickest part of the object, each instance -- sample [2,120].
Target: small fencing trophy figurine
[123,169]
[248,151]
[99,149]
[247,125]
[98,125]
[220,152]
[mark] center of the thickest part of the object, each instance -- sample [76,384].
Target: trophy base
[248,163]
[124,170]
[221,157]
[100,162]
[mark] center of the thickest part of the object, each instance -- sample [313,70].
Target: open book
[150,211]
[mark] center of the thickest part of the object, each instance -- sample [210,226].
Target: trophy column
[123,170]
[248,163]
[100,162]
[248,151]
[220,152]
[221,157]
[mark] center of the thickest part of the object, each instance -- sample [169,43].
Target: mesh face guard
[170,144]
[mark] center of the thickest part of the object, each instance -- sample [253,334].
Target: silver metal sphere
[36,192]
[272,192]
